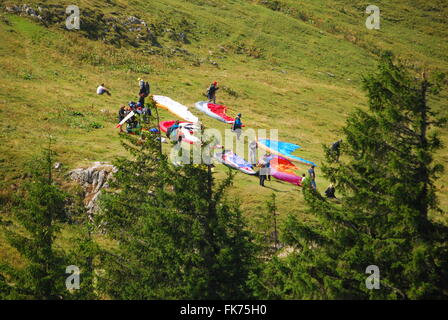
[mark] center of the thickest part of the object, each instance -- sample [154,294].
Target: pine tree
[386,178]
[265,226]
[37,214]
[82,255]
[84,252]
[178,236]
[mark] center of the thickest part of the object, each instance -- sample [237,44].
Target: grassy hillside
[295,66]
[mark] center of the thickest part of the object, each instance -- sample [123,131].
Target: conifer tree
[386,177]
[265,225]
[84,251]
[178,236]
[37,213]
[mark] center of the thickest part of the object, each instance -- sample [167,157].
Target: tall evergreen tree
[265,228]
[84,251]
[37,213]
[386,178]
[178,236]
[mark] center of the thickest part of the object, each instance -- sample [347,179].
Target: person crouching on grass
[102,89]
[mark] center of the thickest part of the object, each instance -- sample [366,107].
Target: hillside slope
[290,65]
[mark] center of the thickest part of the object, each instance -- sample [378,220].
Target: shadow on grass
[276,190]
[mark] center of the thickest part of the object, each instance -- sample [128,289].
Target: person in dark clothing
[143,91]
[144,87]
[173,128]
[330,192]
[262,176]
[211,92]
[237,125]
[132,105]
[141,100]
[335,149]
[146,111]
[121,115]
[133,126]
[312,177]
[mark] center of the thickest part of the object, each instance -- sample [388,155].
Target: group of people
[264,163]
[141,112]
[133,123]
[264,173]
[265,168]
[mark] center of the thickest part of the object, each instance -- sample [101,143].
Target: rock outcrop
[93,179]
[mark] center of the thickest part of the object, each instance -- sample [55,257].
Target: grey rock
[93,180]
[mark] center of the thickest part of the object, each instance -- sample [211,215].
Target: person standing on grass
[102,89]
[237,125]
[144,87]
[262,173]
[144,90]
[267,160]
[312,175]
[141,84]
[253,146]
[211,92]
[265,170]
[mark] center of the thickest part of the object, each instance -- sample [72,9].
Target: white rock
[93,179]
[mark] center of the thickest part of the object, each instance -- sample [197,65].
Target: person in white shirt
[253,152]
[141,83]
[303,179]
[102,89]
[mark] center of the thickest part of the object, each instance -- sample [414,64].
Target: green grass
[275,65]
